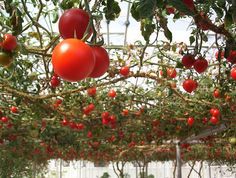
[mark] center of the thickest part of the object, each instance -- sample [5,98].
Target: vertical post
[209,169]
[178,160]
[60,176]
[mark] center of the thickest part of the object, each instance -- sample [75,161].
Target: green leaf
[163,23]
[147,28]
[143,9]
[218,11]
[179,5]
[191,40]
[112,10]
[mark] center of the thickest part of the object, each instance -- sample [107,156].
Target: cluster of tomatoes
[72,59]
[7,46]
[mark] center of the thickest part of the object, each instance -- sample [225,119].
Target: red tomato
[92,91]
[73,23]
[89,134]
[65,122]
[233,73]
[105,115]
[55,82]
[101,62]
[14,109]
[189,85]
[190,121]
[216,93]
[80,126]
[214,120]
[215,113]
[232,57]
[171,72]
[188,60]
[204,120]
[9,42]
[73,60]
[221,56]
[4,119]
[125,112]
[112,93]
[124,71]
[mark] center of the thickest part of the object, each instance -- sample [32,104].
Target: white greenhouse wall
[82,169]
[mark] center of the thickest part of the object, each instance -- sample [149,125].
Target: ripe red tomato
[124,70]
[80,126]
[171,72]
[204,120]
[232,57]
[125,112]
[55,82]
[89,134]
[233,73]
[189,4]
[190,121]
[65,122]
[170,10]
[215,112]
[73,60]
[112,93]
[5,59]
[216,93]
[9,42]
[188,61]
[14,109]
[92,91]
[102,62]
[73,23]
[214,120]
[4,119]
[219,56]
[189,85]
[200,65]
[105,114]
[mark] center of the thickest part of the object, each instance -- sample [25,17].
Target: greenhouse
[117,88]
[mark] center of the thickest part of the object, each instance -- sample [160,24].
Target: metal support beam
[178,160]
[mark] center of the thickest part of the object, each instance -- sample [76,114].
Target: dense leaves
[140,107]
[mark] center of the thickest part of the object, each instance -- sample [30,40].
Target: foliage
[51,121]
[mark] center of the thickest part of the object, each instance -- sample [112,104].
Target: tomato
[55,82]
[89,134]
[5,59]
[73,23]
[102,62]
[92,91]
[4,119]
[124,70]
[215,112]
[188,60]
[112,93]
[219,56]
[9,42]
[65,122]
[189,85]
[171,72]
[73,60]
[105,114]
[233,73]
[14,109]
[200,65]
[216,93]
[189,4]
[190,121]
[80,126]
[214,120]
[204,120]
[125,112]
[232,57]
